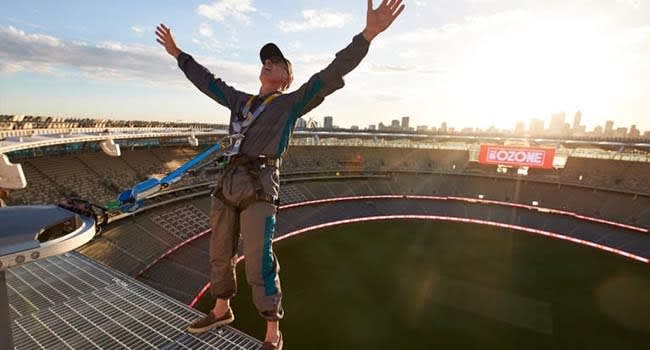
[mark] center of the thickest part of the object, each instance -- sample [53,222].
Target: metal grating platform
[72,302]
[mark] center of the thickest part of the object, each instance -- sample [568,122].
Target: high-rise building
[577,118]
[620,132]
[422,128]
[557,125]
[520,128]
[609,128]
[394,124]
[372,127]
[405,123]
[598,130]
[443,127]
[301,123]
[536,126]
[580,130]
[328,122]
[634,132]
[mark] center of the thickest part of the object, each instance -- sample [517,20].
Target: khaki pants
[256,223]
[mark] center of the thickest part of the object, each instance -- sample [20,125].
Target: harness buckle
[233,149]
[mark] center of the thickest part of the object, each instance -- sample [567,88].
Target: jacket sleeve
[205,81]
[330,79]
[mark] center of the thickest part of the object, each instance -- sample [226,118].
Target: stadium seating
[609,189]
[99,177]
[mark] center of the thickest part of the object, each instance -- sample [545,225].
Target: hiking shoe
[210,322]
[270,346]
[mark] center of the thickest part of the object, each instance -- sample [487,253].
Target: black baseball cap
[271,50]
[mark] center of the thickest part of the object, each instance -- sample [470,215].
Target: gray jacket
[269,135]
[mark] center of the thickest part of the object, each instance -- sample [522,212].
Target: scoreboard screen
[517,156]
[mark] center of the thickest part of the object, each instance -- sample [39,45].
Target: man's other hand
[166,39]
[378,20]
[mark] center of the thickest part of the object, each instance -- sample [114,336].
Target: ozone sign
[517,156]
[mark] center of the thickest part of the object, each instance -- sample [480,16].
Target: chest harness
[253,165]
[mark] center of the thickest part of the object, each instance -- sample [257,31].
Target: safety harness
[253,165]
[242,124]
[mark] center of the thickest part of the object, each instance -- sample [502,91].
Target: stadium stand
[102,177]
[41,189]
[74,177]
[609,189]
[114,170]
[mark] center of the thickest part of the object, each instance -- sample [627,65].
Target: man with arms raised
[246,197]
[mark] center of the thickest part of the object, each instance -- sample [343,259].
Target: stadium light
[110,148]
[11,175]
[480,196]
[535,203]
[193,140]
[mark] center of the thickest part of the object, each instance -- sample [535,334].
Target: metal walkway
[73,302]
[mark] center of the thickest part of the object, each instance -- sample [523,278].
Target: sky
[471,63]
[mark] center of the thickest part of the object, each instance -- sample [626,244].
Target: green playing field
[424,285]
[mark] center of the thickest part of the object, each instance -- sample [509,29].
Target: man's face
[274,71]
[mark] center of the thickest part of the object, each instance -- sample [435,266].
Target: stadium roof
[47,137]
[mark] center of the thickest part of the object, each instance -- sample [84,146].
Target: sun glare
[552,65]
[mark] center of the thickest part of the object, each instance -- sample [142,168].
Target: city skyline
[557,125]
[473,63]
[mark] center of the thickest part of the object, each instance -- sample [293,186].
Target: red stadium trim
[463,199]
[171,250]
[471,200]
[443,218]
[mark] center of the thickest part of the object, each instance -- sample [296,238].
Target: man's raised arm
[330,79]
[202,78]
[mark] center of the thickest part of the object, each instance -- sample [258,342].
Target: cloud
[313,19]
[225,9]
[39,39]
[206,30]
[114,61]
[208,44]
[137,29]
[320,59]
[20,21]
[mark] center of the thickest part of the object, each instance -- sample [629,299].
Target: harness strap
[253,166]
[249,119]
[241,124]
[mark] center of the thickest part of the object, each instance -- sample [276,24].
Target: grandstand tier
[594,187]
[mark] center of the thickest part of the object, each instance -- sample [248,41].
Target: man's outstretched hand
[166,39]
[378,20]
